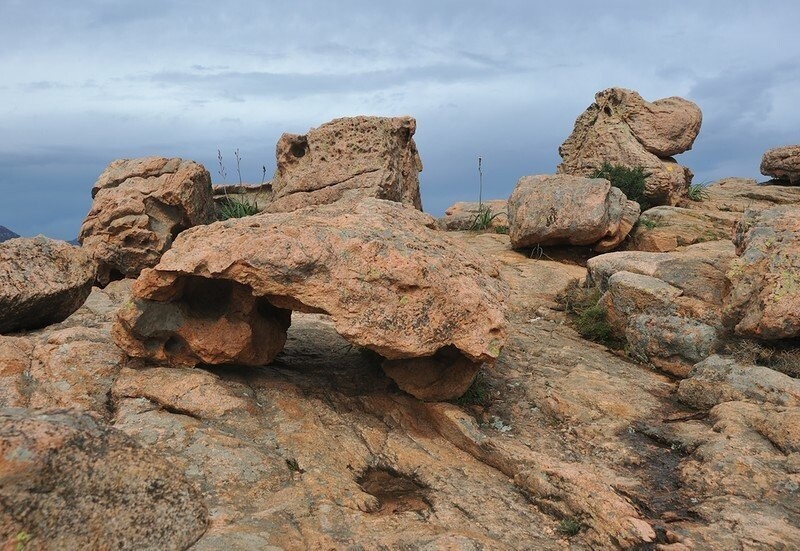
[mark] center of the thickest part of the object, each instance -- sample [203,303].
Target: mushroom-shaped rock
[623,129]
[764,301]
[569,210]
[348,157]
[139,206]
[42,281]
[388,280]
[782,163]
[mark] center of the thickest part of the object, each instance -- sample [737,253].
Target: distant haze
[86,82]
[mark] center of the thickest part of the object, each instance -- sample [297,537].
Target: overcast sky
[86,82]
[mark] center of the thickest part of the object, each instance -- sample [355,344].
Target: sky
[83,83]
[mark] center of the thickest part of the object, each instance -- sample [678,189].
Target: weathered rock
[356,157]
[139,206]
[63,476]
[621,128]
[736,195]
[42,281]
[464,215]
[563,209]
[671,343]
[663,229]
[390,283]
[717,379]
[764,301]
[258,195]
[630,215]
[782,163]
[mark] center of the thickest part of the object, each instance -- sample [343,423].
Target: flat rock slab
[390,283]
[42,281]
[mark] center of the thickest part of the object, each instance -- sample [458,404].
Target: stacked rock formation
[782,163]
[622,128]
[356,156]
[139,206]
[42,281]
[569,210]
[224,292]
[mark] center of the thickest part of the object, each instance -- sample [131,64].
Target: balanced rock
[782,163]
[390,283]
[139,206]
[568,210]
[764,301]
[622,128]
[65,476]
[466,215]
[42,281]
[356,156]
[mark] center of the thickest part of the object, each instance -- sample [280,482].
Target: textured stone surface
[782,163]
[663,229]
[562,209]
[355,156]
[671,343]
[42,281]
[463,215]
[621,128]
[390,283]
[139,206]
[64,476]
[764,301]
[736,195]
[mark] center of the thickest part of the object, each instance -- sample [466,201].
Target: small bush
[588,314]
[648,223]
[236,208]
[630,180]
[479,392]
[569,527]
[697,192]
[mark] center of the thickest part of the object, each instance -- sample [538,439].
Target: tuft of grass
[478,394]
[697,192]
[483,218]
[569,527]
[783,358]
[236,208]
[20,540]
[587,313]
[630,180]
[501,229]
[649,223]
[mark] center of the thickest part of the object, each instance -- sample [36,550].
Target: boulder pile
[623,129]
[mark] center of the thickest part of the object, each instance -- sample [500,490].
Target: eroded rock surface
[390,283]
[664,229]
[562,209]
[467,215]
[764,301]
[621,128]
[139,206]
[782,163]
[355,157]
[42,281]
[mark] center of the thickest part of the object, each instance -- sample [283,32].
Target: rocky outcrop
[139,206]
[354,157]
[736,195]
[621,128]
[664,229]
[390,283]
[6,234]
[782,163]
[467,215]
[64,475]
[568,210]
[666,306]
[42,281]
[764,301]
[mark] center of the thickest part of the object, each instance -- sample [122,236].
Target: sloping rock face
[64,475]
[764,301]
[6,234]
[664,229]
[463,215]
[563,209]
[139,206]
[390,283]
[621,128]
[736,195]
[667,306]
[42,281]
[782,163]
[356,156]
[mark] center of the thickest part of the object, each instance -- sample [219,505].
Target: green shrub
[569,527]
[587,313]
[236,208]
[697,192]
[483,218]
[630,180]
[649,223]
[479,392]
